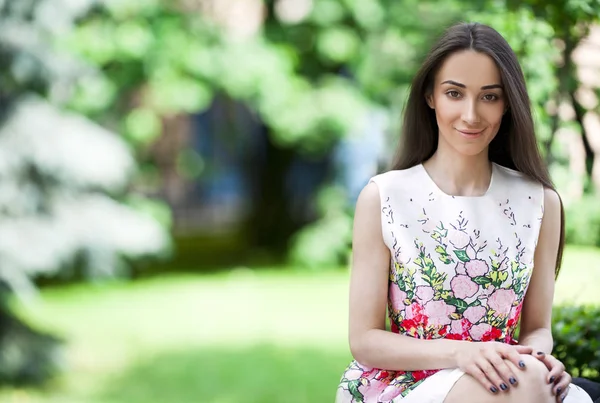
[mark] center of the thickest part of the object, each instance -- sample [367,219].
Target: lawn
[243,336]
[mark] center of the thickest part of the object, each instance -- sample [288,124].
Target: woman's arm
[370,343]
[536,330]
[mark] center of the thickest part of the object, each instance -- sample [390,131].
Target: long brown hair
[515,144]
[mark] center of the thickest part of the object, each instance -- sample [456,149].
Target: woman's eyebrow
[485,87]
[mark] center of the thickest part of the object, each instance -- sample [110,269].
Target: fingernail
[552,379]
[521,364]
[540,353]
[562,398]
[558,390]
[494,389]
[503,386]
[512,380]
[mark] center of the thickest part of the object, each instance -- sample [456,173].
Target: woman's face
[469,102]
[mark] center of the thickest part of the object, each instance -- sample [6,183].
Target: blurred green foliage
[583,223]
[576,342]
[310,76]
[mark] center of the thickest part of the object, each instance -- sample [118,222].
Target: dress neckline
[488,191]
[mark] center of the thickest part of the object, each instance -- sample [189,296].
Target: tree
[64,198]
[571,21]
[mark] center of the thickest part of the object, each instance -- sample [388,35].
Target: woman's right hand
[484,361]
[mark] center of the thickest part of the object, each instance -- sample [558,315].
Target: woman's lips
[470,133]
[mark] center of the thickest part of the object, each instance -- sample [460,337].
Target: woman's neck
[460,175]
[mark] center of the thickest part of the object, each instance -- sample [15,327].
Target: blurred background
[178,178]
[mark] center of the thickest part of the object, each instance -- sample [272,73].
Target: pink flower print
[373,390]
[460,326]
[515,312]
[456,327]
[477,267]
[501,301]
[474,313]
[414,311]
[390,393]
[477,331]
[438,312]
[353,374]
[463,287]
[397,297]
[424,293]
[460,268]
[459,239]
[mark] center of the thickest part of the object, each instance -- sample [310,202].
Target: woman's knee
[532,381]
[534,371]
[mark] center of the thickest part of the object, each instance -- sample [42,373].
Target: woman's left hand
[557,378]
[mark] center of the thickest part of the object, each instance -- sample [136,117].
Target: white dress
[459,269]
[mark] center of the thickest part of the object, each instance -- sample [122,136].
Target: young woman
[461,240]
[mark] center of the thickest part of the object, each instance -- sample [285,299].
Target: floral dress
[460,268]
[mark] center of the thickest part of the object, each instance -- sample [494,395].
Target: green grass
[242,336]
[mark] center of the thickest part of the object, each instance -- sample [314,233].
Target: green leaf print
[476,303]
[353,389]
[460,304]
[440,249]
[462,255]
[482,280]
[496,280]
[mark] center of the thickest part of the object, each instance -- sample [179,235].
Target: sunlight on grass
[238,336]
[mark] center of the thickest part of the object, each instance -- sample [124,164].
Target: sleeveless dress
[460,268]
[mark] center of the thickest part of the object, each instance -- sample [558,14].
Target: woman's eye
[490,97]
[453,94]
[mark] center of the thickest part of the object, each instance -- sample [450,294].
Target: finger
[562,385]
[478,374]
[506,374]
[548,361]
[555,367]
[513,356]
[561,398]
[523,349]
[564,395]
[492,375]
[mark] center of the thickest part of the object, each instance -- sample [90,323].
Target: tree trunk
[270,225]
[572,84]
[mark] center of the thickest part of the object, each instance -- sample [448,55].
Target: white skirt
[435,388]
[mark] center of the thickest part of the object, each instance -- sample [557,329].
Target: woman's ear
[429,100]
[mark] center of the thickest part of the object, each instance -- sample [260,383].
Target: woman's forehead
[470,68]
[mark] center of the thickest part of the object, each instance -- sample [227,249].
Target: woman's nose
[470,114]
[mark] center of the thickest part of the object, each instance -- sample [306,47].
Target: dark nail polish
[540,353]
[562,399]
[503,386]
[558,390]
[552,379]
[494,389]
[512,380]
[521,364]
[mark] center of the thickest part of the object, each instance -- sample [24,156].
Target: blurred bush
[576,331]
[582,226]
[326,242]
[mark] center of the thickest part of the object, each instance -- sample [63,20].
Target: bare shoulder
[367,220]
[369,198]
[552,204]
